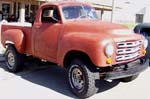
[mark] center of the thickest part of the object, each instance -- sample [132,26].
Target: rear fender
[16,37]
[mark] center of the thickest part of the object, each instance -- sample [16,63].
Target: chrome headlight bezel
[109,49]
[145,43]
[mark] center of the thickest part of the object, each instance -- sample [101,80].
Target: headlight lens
[145,43]
[109,50]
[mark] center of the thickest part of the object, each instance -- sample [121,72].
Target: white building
[132,11]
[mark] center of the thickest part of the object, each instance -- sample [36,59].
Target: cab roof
[65,3]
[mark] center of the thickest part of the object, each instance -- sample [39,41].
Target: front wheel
[81,79]
[14,60]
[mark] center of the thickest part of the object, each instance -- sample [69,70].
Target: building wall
[128,11]
[147,14]
[102,2]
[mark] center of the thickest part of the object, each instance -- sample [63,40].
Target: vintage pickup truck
[71,35]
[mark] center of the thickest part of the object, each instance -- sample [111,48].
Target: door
[47,34]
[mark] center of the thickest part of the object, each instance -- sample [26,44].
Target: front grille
[128,50]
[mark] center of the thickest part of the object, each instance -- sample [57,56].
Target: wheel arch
[14,37]
[76,54]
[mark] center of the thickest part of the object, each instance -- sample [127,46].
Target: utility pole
[113,9]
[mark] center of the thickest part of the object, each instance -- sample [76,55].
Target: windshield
[78,12]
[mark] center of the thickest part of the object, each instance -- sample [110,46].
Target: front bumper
[126,70]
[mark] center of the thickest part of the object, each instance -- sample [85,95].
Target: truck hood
[113,31]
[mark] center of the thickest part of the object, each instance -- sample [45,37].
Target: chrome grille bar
[129,44]
[127,57]
[128,50]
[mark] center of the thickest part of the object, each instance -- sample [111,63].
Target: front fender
[14,36]
[87,43]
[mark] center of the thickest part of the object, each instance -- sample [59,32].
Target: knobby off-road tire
[128,79]
[81,79]
[14,60]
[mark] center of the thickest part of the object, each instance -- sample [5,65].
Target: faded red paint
[53,41]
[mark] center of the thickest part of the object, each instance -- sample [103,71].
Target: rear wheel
[81,79]
[14,60]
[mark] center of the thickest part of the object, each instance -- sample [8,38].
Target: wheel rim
[11,60]
[77,78]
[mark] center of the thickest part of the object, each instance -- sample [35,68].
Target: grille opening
[129,43]
[120,51]
[128,50]
[120,44]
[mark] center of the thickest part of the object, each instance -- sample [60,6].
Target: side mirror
[51,13]
[52,16]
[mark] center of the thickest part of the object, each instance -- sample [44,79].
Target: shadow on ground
[53,77]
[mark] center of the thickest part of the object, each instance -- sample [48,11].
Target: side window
[50,15]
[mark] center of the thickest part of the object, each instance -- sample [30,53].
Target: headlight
[109,50]
[145,43]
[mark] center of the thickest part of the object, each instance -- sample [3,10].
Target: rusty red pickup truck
[71,35]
